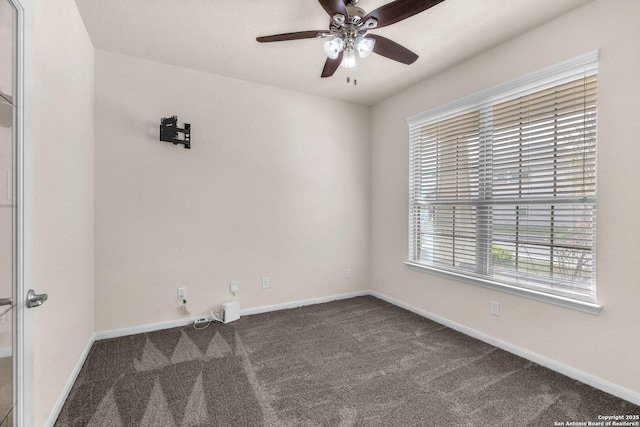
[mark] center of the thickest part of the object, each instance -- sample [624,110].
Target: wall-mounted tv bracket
[169,132]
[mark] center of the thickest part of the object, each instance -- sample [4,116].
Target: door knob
[35,300]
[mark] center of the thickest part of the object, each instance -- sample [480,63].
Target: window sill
[583,306]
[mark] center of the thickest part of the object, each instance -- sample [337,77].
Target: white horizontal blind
[504,189]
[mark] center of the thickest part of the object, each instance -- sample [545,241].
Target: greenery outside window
[503,185]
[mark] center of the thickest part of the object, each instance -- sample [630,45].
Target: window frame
[586,64]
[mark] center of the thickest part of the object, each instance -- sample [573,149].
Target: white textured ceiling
[218,36]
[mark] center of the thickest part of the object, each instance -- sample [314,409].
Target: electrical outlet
[201,319]
[234,287]
[495,308]
[265,282]
[182,293]
[348,273]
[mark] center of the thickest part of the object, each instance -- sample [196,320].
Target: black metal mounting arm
[169,131]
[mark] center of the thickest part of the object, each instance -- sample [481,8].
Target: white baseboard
[593,381]
[140,329]
[301,303]
[569,371]
[168,324]
[6,351]
[55,412]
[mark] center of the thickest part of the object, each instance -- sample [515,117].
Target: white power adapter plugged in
[230,311]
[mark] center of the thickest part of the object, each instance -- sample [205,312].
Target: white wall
[63,246]
[607,345]
[276,184]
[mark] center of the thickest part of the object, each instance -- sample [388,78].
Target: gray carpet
[355,362]
[6,389]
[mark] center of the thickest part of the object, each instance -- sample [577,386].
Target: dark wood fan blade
[334,6]
[392,50]
[331,65]
[398,10]
[290,36]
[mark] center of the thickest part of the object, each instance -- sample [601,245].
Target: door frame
[23,337]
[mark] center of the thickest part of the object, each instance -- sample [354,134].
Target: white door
[7,287]
[16,337]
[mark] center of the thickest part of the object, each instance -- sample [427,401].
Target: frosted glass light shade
[333,47]
[364,46]
[348,59]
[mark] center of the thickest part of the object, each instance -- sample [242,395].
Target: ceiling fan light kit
[364,46]
[333,47]
[348,27]
[348,59]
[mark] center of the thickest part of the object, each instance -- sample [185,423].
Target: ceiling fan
[349,26]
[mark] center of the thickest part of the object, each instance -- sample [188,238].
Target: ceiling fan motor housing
[350,26]
[355,14]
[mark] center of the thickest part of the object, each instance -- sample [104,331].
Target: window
[503,185]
